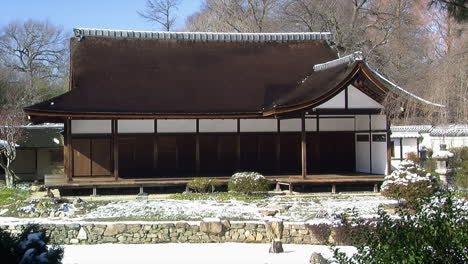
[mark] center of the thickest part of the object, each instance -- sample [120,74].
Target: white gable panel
[358,99]
[336,124]
[362,122]
[177,126]
[338,101]
[218,125]
[91,127]
[258,125]
[136,126]
[378,122]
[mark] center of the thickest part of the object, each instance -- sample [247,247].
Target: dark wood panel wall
[165,154]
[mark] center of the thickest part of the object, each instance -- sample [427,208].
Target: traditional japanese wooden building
[147,106]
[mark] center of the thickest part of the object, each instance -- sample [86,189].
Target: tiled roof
[405,135]
[453,130]
[202,36]
[450,130]
[414,128]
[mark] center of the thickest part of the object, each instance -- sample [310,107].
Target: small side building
[39,152]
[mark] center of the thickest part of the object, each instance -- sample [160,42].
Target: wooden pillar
[389,150]
[303,148]
[278,147]
[68,151]
[238,146]
[115,148]
[197,148]
[155,146]
[401,149]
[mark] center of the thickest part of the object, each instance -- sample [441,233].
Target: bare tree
[161,12]
[35,49]
[11,119]
[235,16]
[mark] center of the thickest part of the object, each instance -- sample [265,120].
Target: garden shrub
[412,156]
[248,183]
[409,183]
[459,163]
[30,246]
[203,185]
[436,233]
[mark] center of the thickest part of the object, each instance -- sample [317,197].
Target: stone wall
[189,232]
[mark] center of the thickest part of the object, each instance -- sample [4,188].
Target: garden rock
[280,207]
[317,258]
[276,246]
[113,230]
[212,226]
[267,212]
[82,234]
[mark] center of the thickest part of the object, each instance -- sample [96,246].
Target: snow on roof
[401,89]
[405,135]
[453,130]
[4,143]
[414,128]
[201,36]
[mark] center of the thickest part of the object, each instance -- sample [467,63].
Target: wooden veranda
[332,180]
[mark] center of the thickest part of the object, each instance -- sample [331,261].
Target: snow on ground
[174,253]
[302,209]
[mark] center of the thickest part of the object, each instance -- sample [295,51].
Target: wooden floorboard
[60,181]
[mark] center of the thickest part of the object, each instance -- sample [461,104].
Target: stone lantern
[443,157]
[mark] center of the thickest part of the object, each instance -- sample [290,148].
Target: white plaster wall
[217,125]
[378,122]
[379,156]
[362,122]
[397,148]
[258,125]
[177,126]
[362,155]
[336,124]
[358,99]
[311,124]
[451,142]
[338,101]
[409,145]
[290,125]
[91,127]
[135,126]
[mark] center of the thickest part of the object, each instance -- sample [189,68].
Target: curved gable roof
[141,75]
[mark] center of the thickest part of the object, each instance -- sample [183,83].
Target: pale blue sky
[115,14]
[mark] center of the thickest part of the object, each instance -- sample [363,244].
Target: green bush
[203,185]
[436,233]
[248,183]
[30,246]
[409,183]
[10,195]
[459,163]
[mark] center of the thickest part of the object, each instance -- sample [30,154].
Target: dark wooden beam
[155,146]
[115,148]
[238,146]
[278,147]
[197,148]
[303,148]
[370,143]
[401,149]
[389,150]
[69,150]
